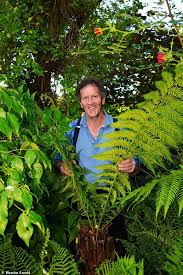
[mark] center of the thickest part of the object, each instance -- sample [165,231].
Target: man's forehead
[90,88]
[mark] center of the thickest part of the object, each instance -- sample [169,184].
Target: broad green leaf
[24,228]
[17,193]
[2,113]
[5,128]
[7,100]
[13,121]
[37,171]
[27,200]
[3,212]
[17,106]
[17,163]
[43,158]
[37,220]
[30,157]
[16,176]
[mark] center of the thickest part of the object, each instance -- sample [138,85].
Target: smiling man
[85,134]
[92,126]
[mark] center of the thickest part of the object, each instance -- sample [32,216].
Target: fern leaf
[180,193]
[25,262]
[17,259]
[172,191]
[62,262]
[126,265]
[150,129]
[174,264]
[162,193]
[143,192]
[7,257]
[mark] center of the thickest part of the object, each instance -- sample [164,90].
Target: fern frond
[7,257]
[113,154]
[25,262]
[151,129]
[17,259]
[180,194]
[174,264]
[169,189]
[126,265]
[173,189]
[62,261]
[79,195]
[142,192]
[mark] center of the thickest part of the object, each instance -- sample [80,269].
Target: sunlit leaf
[5,128]
[37,171]
[37,220]
[30,157]
[13,121]
[27,200]
[24,228]
[17,163]
[3,212]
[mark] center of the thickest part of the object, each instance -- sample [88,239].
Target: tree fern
[149,133]
[126,265]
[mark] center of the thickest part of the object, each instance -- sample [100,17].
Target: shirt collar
[108,120]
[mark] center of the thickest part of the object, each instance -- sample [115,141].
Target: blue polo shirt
[86,146]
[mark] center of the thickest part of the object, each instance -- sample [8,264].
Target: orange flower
[98,31]
[161,57]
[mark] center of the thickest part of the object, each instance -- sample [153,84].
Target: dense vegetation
[45,49]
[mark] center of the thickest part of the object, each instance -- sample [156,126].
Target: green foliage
[62,261]
[174,263]
[17,259]
[126,265]
[168,189]
[150,238]
[27,138]
[14,258]
[148,131]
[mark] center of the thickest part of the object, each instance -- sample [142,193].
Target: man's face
[91,100]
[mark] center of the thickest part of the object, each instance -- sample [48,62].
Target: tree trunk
[93,248]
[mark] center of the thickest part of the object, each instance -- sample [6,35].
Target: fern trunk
[93,248]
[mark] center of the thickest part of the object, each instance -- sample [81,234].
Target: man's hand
[127,166]
[63,169]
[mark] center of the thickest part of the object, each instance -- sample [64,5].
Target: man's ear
[103,100]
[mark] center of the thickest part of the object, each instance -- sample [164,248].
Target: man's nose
[90,99]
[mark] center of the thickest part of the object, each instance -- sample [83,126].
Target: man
[93,125]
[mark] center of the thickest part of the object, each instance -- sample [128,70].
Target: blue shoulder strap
[76,133]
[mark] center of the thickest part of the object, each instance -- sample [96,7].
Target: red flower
[98,31]
[161,57]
